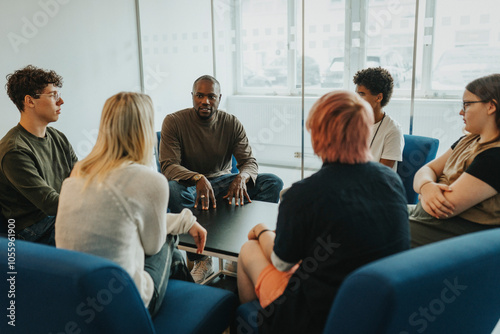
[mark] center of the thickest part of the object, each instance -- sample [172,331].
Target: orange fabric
[272,283]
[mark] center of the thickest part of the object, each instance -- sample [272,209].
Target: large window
[454,44]
[271,48]
[275,58]
[466,44]
[431,61]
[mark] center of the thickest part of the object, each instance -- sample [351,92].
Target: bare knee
[247,251]
[249,246]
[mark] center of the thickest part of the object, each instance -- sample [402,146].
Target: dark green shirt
[32,170]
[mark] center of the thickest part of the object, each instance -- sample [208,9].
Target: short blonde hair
[126,134]
[340,125]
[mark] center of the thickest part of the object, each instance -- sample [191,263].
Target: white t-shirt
[389,141]
[123,219]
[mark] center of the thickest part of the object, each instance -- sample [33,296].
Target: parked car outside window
[277,71]
[459,66]
[390,60]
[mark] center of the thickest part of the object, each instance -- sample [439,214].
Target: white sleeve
[280,264]
[393,144]
[179,223]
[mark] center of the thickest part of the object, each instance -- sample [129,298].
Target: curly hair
[30,81]
[377,80]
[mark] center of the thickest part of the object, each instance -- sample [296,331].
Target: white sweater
[123,219]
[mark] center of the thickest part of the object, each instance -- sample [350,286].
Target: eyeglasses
[56,95]
[466,104]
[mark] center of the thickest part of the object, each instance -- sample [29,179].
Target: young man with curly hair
[34,158]
[375,86]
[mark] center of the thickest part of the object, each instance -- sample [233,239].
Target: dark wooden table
[227,230]
[228,226]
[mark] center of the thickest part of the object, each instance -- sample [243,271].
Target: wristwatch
[197,177]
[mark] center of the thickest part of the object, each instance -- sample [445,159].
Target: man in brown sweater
[196,149]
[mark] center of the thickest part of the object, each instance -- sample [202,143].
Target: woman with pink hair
[352,211]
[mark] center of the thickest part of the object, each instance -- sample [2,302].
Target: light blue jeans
[167,264]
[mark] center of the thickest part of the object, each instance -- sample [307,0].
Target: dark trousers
[42,232]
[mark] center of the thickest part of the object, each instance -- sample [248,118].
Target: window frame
[356,11]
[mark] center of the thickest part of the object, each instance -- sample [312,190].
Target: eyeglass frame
[57,95]
[464,103]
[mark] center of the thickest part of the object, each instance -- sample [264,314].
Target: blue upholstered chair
[58,291]
[234,169]
[451,286]
[157,150]
[417,152]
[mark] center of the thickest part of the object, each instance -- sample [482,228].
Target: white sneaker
[231,266]
[202,269]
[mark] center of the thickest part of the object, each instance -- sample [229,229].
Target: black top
[335,221]
[484,166]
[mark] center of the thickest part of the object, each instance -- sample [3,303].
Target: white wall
[92,44]
[177,44]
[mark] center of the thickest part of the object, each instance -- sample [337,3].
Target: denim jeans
[267,189]
[167,264]
[42,231]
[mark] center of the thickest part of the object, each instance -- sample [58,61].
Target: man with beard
[196,149]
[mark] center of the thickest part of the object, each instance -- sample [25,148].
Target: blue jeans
[42,232]
[167,264]
[267,189]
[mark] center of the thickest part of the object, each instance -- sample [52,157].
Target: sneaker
[231,266]
[202,269]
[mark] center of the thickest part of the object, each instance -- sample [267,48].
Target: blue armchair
[451,286]
[157,151]
[417,152]
[58,291]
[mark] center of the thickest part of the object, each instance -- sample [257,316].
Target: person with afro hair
[375,86]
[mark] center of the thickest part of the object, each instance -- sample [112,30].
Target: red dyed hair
[340,124]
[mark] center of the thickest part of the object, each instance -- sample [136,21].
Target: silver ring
[202,196]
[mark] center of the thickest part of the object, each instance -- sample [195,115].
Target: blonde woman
[114,205]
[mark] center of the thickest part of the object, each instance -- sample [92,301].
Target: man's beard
[204,117]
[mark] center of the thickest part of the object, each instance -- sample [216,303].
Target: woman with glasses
[352,211]
[459,190]
[114,204]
